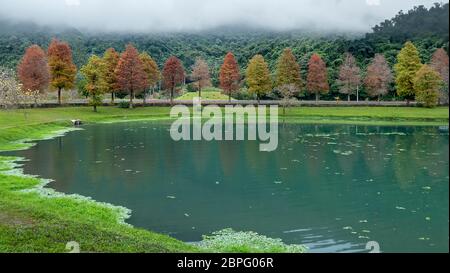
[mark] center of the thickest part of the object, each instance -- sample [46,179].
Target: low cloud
[197,15]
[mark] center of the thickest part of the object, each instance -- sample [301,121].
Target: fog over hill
[200,15]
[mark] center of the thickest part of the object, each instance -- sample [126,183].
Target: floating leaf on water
[427,218]
[277,182]
[363,237]
[426,188]
[363,221]
[186,214]
[347,228]
[171,197]
[365,231]
[217,182]
[400,208]
[347,153]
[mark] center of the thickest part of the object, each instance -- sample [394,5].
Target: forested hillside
[427,28]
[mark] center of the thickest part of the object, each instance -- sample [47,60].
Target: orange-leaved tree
[229,75]
[317,82]
[173,75]
[131,77]
[110,60]
[62,68]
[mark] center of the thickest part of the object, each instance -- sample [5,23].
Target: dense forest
[427,28]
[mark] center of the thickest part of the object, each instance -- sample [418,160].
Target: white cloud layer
[194,15]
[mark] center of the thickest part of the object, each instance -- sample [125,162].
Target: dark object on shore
[76,122]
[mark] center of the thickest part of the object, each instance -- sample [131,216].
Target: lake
[332,188]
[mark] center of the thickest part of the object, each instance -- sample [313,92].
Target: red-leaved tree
[439,62]
[173,75]
[229,75]
[317,81]
[378,77]
[33,71]
[130,75]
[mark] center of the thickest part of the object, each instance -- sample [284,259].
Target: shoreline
[17,187]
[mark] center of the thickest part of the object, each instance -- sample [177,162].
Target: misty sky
[194,15]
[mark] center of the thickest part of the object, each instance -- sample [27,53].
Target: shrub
[124,104]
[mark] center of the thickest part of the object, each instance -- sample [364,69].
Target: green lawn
[211,95]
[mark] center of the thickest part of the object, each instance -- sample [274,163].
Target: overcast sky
[193,15]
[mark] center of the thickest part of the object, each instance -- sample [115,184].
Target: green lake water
[332,188]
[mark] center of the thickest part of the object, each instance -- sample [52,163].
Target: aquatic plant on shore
[231,241]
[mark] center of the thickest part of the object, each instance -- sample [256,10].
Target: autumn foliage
[131,77]
[288,70]
[33,70]
[94,73]
[62,68]
[229,75]
[317,82]
[110,60]
[427,83]
[258,77]
[439,62]
[173,75]
[200,74]
[349,76]
[408,63]
[378,77]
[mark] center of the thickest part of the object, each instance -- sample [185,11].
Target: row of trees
[132,73]
[413,80]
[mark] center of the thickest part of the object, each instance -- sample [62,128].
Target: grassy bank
[30,222]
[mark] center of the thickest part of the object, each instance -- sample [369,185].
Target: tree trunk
[348,97]
[95,108]
[171,95]
[112,97]
[144,95]
[258,99]
[284,110]
[199,92]
[357,93]
[317,96]
[59,95]
[407,102]
[229,97]
[131,99]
